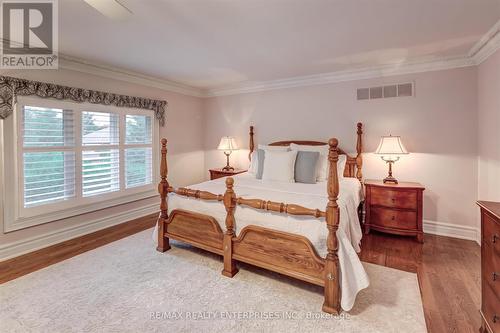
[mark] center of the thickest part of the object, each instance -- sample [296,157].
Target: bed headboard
[353,166]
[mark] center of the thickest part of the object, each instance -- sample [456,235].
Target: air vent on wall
[393,90]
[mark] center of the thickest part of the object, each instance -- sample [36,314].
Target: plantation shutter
[48,160]
[75,154]
[138,160]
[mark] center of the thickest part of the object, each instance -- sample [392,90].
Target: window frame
[16,216]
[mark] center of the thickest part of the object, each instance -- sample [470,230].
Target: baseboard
[451,230]
[14,249]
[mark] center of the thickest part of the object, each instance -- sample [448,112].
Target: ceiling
[210,44]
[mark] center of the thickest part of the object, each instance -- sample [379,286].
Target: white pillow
[254,157]
[280,166]
[323,163]
[252,168]
[275,148]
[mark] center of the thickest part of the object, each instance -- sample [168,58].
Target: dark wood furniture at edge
[394,208]
[490,266]
[282,252]
[219,173]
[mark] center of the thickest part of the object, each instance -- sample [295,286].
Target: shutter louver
[138,162]
[43,127]
[100,128]
[138,129]
[48,177]
[100,171]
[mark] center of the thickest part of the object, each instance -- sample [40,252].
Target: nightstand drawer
[394,219]
[393,198]
[491,268]
[491,232]
[491,308]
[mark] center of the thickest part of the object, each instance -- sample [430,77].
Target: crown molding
[84,66]
[487,45]
[347,75]
[110,72]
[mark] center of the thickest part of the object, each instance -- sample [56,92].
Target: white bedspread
[353,275]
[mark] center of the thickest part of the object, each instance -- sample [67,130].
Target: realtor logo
[29,34]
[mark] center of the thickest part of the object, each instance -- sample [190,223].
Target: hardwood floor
[25,264]
[448,269]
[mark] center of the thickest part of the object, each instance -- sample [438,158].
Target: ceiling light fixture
[110,8]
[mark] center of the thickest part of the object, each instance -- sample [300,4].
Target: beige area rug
[127,286]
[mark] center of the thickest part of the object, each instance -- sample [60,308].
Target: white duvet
[353,275]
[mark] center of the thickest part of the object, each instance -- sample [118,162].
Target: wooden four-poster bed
[286,253]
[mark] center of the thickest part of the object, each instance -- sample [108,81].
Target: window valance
[10,87]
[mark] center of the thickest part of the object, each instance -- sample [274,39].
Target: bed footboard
[281,252]
[196,229]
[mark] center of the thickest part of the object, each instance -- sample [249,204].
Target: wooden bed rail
[203,195]
[280,207]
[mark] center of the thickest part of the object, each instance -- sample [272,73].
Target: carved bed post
[163,186]
[230,203]
[251,145]
[332,268]
[359,149]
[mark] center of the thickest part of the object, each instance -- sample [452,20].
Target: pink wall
[489,128]
[183,129]
[438,127]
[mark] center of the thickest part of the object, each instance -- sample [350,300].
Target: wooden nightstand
[219,173]
[394,208]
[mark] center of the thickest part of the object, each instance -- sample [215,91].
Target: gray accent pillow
[305,167]
[261,153]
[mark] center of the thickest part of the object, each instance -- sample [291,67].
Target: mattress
[353,275]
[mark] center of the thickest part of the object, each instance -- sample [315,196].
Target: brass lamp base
[227,167]
[390,179]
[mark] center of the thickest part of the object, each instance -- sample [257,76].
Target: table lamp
[227,144]
[391,148]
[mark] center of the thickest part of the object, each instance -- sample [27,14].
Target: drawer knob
[393,199]
[495,276]
[393,217]
[494,238]
[496,318]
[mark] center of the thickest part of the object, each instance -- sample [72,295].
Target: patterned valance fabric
[10,87]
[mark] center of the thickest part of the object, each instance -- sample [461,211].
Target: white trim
[488,50]
[485,47]
[14,249]
[26,222]
[88,67]
[347,75]
[452,230]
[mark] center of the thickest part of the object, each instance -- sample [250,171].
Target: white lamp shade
[227,143]
[391,145]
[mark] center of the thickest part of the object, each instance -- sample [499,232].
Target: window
[74,158]
[48,161]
